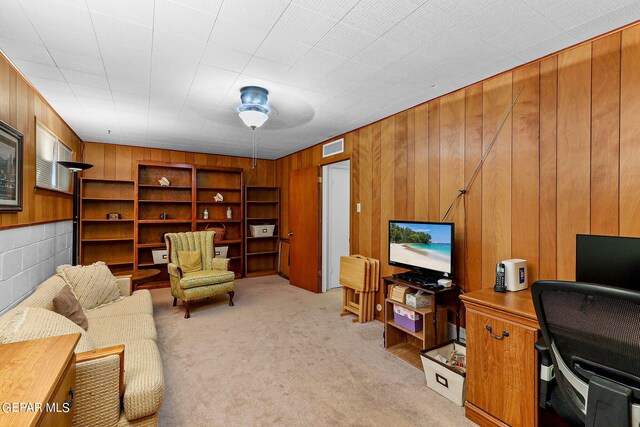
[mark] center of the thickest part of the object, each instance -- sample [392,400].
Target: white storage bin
[160,256]
[262,230]
[221,251]
[441,378]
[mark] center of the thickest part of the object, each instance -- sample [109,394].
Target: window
[49,151]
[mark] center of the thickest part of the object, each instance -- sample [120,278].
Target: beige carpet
[284,357]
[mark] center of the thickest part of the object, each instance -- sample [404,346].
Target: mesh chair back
[595,329]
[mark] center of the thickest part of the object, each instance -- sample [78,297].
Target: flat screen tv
[608,260]
[424,247]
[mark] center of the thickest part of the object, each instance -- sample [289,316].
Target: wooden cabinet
[502,365]
[42,373]
[262,206]
[102,239]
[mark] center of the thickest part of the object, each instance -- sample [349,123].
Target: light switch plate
[358,207]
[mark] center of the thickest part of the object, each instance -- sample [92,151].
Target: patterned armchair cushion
[206,277]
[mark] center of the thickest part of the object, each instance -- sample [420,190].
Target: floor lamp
[74,168]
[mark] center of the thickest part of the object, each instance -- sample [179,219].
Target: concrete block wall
[28,256]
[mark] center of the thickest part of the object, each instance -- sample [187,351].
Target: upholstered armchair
[212,279]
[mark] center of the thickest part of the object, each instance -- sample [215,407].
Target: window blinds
[49,150]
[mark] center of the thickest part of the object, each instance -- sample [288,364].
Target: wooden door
[304,230]
[501,373]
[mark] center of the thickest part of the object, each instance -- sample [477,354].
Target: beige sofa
[109,391]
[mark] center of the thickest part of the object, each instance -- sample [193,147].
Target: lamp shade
[75,166]
[253,118]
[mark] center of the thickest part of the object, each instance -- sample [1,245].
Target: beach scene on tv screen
[421,245]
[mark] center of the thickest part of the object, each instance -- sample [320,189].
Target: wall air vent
[332,148]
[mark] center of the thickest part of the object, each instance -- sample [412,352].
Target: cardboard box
[417,301]
[406,318]
[441,378]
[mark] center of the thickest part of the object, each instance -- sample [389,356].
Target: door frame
[324,249]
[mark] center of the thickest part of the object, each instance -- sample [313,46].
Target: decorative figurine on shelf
[164,215]
[218,198]
[205,214]
[164,182]
[114,216]
[229,213]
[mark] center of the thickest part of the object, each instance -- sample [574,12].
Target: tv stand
[416,277]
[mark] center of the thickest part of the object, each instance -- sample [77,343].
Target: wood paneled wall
[567,161]
[119,162]
[20,106]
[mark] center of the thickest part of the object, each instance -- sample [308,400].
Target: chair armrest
[220,263]
[99,387]
[124,283]
[116,350]
[174,270]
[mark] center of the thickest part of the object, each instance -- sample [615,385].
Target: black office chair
[593,336]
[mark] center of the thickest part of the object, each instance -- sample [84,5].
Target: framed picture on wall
[10,169]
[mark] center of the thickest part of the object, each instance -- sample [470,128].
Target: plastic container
[221,251]
[441,378]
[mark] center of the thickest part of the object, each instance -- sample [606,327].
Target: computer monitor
[424,247]
[608,260]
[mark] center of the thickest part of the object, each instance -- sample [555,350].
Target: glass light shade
[253,118]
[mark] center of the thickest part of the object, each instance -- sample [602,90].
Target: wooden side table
[37,378]
[138,276]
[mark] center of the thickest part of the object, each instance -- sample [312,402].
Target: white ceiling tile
[176,48]
[211,85]
[265,69]
[34,69]
[281,49]
[220,56]
[545,47]
[82,91]
[261,14]
[77,61]
[240,37]
[138,11]
[345,40]
[319,62]
[381,53]
[567,14]
[607,22]
[15,25]
[378,16]
[26,51]
[303,25]
[185,21]
[125,32]
[58,14]
[85,79]
[334,9]
[59,39]
[209,6]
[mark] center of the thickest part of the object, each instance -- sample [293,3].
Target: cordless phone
[500,284]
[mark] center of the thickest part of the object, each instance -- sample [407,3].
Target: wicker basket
[220,231]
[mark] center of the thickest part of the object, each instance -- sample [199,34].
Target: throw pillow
[190,261]
[93,285]
[67,305]
[30,323]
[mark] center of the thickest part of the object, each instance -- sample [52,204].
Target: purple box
[405,322]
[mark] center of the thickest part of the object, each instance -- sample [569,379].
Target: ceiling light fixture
[253,112]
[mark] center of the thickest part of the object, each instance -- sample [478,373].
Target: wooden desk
[502,371]
[38,372]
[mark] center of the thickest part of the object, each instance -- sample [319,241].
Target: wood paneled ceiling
[167,73]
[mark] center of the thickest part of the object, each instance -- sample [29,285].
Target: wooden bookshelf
[210,180]
[101,239]
[262,206]
[151,200]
